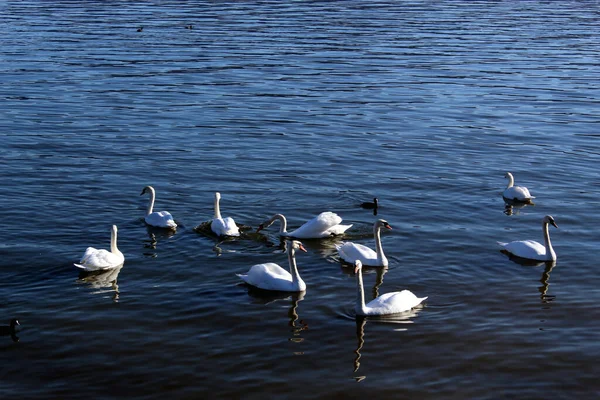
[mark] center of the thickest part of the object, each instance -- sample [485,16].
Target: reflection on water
[296,324]
[155,235]
[514,208]
[549,265]
[402,318]
[379,272]
[100,280]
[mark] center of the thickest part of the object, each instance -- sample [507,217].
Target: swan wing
[393,303]
[526,249]
[268,276]
[161,219]
[224,227]
[517,193]
[94,260]
[318,227]
[350,252]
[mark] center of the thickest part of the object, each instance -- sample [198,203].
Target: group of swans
[270,276]
[528,249]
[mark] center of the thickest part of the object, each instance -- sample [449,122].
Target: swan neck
[283,225]
[293,267]
[113,243]
[550,254]
[360,293]
[511,181]
[378,246]
[151,202]
[217,209]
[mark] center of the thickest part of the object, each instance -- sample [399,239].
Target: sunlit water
[298,108]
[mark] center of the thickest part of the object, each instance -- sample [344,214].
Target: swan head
[14,322]
[508,175]
[357,266]
[548,219]
[297,245]
[217,196]
[147,189]
[384,223]
[114,229]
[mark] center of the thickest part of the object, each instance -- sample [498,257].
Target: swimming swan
[350,252]
[160,219]
[386,304]
[94,260]
[516,193]
[533,250]
[323,225]
[223,226]
[271,276]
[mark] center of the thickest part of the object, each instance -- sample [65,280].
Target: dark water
[298,108]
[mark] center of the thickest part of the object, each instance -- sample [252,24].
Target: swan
[350,252]
[531,249]
[271,276]
[386,304]
[516,193]
[370,205]
[223,226]
[323,225]
[159,219]
[94,260]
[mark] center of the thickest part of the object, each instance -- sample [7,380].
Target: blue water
[298,108]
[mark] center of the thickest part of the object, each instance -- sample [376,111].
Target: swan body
[271,276]
[386,304]
[159,219]
[533,250]
[223,226]
[350,252]
[323,225]
[516,193]
[10,329]
[95,260]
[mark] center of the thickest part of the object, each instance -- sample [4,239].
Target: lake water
[298,108]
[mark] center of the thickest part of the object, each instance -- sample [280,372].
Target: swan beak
[260,227]
[357,268]
[301,247]
[554,224]
[388,226]
[143,191]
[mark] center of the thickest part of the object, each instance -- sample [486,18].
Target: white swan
[516,193]
[350,252]
[386,304]
[223,226]
[531,249]
[94,259]
[323,225]
[271,276]
[159,219]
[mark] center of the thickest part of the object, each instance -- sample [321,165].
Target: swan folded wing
[395,302]
[269,276]
[161,218]
[351,252]
[517,192]
[99,259]
[337,230]
[526,249]
[225,227]
[318,226]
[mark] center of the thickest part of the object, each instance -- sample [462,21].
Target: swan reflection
[379,273]
[101,280]
[548,266]
[265,297]
[401,318]
[154,236]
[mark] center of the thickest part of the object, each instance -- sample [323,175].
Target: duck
[159,219]
[386,304]
[370,205]
[350,251]
[323,225]
[96,260]
[11,329]
[516,193]
[223,226]
[530,249]
[270,276]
